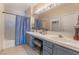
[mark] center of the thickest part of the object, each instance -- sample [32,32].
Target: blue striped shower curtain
[22,25]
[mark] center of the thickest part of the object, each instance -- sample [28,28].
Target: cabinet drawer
[49,50]
[46,53]
[64,51]
[48,44]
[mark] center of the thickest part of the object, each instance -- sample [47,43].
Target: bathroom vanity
[53,44]
[55,49]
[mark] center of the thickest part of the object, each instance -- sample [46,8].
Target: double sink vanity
[56,43]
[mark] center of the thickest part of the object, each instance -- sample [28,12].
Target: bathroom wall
[31,15]
[15,11]
[1,26]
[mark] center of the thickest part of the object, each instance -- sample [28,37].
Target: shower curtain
[22,25]
[38,24]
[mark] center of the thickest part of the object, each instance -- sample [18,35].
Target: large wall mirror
[64,23]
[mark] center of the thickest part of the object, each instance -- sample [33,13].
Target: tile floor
[20,50]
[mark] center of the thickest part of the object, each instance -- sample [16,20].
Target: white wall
[1,26]
[15,11]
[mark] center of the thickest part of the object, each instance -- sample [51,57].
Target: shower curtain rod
[12,14]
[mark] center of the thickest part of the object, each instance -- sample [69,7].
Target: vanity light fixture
[46,8]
